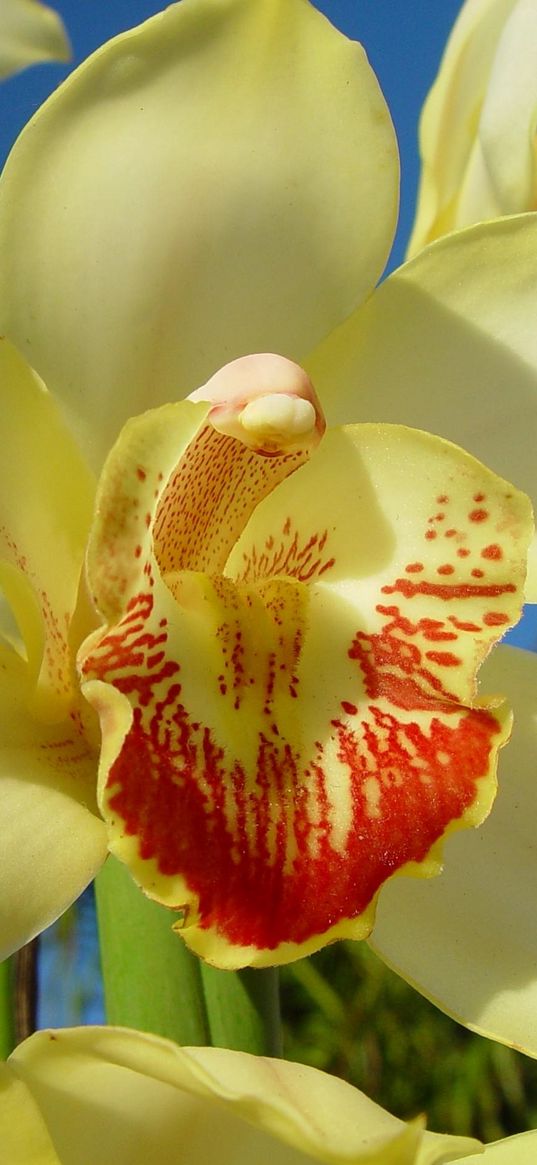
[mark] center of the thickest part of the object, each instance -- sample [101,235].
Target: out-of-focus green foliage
[347,1013]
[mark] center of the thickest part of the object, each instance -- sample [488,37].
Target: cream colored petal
[24,1139]
[148,1100]
[46,501]
[508,122]
[520,1150]
[451,114]
[220,180]
[53,841]
[449,344]
[468,940]
[29,32]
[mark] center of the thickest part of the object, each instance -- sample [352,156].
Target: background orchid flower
[478,126]
[80,1095]
[53,840]
[29,32]
[120,302]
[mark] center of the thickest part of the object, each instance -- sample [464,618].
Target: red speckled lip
[296,736]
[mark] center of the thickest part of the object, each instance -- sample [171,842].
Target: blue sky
[404,42]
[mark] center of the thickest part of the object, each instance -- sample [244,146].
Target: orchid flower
[212,231]
[479,122]
[29,32]
[81,1095]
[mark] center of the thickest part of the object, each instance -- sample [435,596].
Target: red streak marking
[478,515]
[351,709]
[458,623]
[446,568]
[173,781]
[444,658]
[414,567]
[430,534]
[493,551]
[477,573]
[449,590]
[463,552]
[495,618]
[327,565]
[154,660]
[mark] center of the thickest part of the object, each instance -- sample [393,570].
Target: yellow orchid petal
[520,1150]
[450,116]
[145,1099]
[46,499]
[477,131]
[23,1133]
[269,724]
[448,344]
[508,123]
[53,841]
[29,32]
[228,179]
[468,940]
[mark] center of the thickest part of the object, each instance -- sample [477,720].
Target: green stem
[7,1019]
[154,983]
[244,1009]
[151,980]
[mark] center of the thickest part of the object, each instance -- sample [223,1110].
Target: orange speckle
[351,709]
[414,567]
[443,658]
[478,515]
[446,568]
[430,534]
[450,533]
[463,552]
[442,500]
[477,573]
[138,551]
[493,551]
[141,474]
[479,497]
